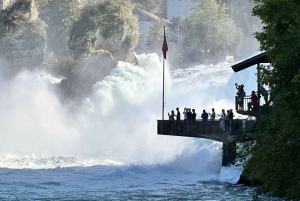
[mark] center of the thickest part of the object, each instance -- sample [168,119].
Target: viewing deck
[226,131]
[256,110]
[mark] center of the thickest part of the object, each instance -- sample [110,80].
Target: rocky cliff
[23,45]
[79,82]
[22,37]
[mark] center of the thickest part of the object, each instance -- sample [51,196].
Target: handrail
[246,100]
[200,127]
[8,9]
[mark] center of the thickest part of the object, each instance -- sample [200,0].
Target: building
[145,19]
[179,7]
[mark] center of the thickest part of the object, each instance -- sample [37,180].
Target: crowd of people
[190,115]
[240,97]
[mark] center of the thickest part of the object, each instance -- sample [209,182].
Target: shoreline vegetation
[275,154]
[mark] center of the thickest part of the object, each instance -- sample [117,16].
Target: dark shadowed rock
[85,74]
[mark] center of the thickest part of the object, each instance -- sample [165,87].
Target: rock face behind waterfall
[97,45]
[93,48]
[22,38]
[116,32]
[85,74]
[26,47]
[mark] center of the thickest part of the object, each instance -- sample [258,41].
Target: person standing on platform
[231,115]
[212,119]
[193,120]
[178,119]
[240,96]
[204,117]
[227,120]
[189,119]
[171,119]
[253,102]
[222,120]
[185,110]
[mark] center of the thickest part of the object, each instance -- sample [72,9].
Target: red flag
[165,46]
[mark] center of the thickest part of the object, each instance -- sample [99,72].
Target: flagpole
[164,49]
[163,100]
[163,96]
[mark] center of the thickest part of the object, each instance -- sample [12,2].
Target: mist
[117,122]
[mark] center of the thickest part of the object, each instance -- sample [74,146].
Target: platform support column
[229,153]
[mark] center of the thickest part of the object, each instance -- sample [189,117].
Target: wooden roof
[260,58]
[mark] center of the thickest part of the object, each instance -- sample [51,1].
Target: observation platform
[256,110]
[222,131]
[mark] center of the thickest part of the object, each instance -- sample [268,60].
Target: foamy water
[108,147]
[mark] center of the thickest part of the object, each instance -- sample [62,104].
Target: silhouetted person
[253,102]
[171,116]
[204,117]
[240,96]
[178,114]
[171,119]
[189,119]
[222,120]
[193,119]
[212,119]
[185,110]
[231,115]
[227,120]
[178,119]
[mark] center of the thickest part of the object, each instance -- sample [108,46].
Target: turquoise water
[116,183]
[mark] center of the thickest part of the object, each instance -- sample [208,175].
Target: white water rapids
[117,123]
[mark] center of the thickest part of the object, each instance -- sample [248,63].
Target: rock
[23,43]
[85,74]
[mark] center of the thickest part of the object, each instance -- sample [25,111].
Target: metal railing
[203,127]
[246,100]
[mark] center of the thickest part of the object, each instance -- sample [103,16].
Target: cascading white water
[117,123]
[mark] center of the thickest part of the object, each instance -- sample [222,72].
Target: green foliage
[64,65]
[177,59]
[40,3]
[156,36]
[161,10]
[100,24]
[19,35]
[176,22]
[209,31]
[276,155]
[59,16]
[148,5]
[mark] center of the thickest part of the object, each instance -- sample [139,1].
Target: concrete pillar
[229,153]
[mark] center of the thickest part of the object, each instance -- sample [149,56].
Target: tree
[22,40]
[108,26]
[162,8]
[59,17]
[241,13]
[148,5]
[208,31]
[156,36]
[276,155]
